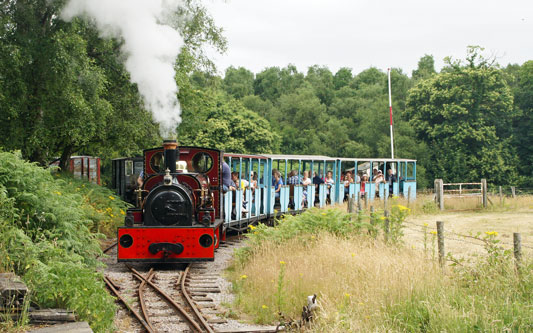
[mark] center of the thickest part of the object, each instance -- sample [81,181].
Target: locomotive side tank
[178,216]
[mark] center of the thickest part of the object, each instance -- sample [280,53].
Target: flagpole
[390,115]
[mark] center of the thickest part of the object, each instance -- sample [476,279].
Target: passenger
[317,180]
[293,178]
[243,184]
[254,180]
[329,182]
[391,179]
[358,177]
[305,181]
[364,180]
[227,183]
[347,181]
[277,184]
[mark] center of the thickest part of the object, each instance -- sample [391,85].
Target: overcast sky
[362,33]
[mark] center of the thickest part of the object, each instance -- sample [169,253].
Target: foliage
[464,115]
[45,225]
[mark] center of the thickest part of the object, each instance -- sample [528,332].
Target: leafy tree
[464,115]
[426,68]
[342,78]
[239,82]
[321,79]
[267,84]
[290,79]
[224,123]
[523,123]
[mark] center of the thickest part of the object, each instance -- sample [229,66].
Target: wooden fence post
[408,196]
[366,200]
[359,203]
[484,192]
[513,192]
[501,195]
[349,206]
[385,202]
[440,238]
[517,248]
[440,183]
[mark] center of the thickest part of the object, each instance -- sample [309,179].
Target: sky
[359,34]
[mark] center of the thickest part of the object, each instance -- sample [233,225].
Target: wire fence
[464,239]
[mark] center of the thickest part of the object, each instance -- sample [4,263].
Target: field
[366,284]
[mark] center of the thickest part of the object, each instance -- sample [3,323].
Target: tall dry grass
[365,285]
[425,204]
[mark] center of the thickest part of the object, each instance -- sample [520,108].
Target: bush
[45,227]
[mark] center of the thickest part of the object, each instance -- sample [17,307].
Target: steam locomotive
[178,213]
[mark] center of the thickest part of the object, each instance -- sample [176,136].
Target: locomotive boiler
[178,216]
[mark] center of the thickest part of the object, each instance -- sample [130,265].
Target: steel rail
[121,298]
[110,247]
[141,297]
[182,311]
[193,306]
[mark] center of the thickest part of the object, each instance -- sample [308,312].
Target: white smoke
[150,48]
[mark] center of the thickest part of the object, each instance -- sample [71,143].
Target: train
[181,214]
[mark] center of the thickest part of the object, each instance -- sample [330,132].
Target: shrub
[45,227]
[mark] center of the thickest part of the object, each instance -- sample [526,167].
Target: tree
[464,115]
[267,84]
[342,78]
[321,79]
[523,123]
[239,82]
[64,90]
[426,68]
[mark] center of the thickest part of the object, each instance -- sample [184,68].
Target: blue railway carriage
[402,183]
[255,198]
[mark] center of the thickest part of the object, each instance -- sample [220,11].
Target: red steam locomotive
[178,217]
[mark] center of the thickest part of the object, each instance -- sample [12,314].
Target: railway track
[171,299]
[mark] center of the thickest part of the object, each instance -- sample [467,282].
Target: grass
[425,204]
[364,284]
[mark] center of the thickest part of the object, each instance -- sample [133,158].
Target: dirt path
[472,223]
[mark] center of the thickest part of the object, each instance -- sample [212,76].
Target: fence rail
[441,193]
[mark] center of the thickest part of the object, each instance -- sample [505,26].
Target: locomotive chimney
[171,154]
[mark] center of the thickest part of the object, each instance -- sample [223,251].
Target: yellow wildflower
[361,303]
[353,255]
[58,193]
[491,233]
[347,295]
[244,276]
[433,232]
[122,212]
[323,214]
[282,262]
[264,306]
[255,232]
[313,237]
[425,224]
[252,227]
[111,197]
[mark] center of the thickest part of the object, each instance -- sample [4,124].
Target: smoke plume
[150,48]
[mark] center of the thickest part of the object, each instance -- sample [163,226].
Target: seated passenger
[277,184]
[305,181]
[391,179]
[293,178]
[317,180]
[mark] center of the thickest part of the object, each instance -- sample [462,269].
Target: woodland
[64,91]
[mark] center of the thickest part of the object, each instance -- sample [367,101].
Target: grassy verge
[365,284]
[49,230]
